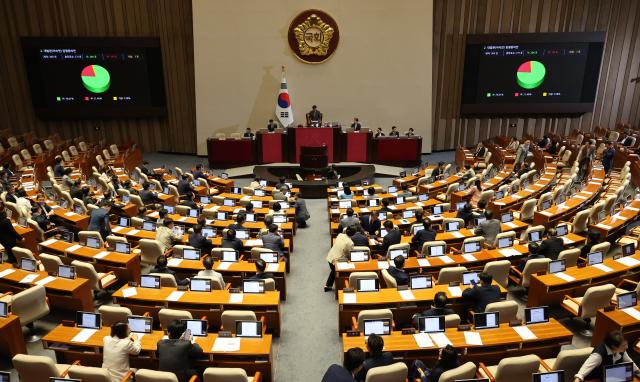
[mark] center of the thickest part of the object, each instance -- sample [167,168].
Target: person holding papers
[376,358]
[490,228]
[175,352]
[612,351]
[397,272]
[479,296]
[342,246]
[117,348]
[351,366]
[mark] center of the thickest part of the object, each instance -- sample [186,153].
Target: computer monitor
[198,328]
[279,219]
[221,215]
[417,228]
[67,271]
[462,187]
[423,197]
[269,257]
[126,199]
[469,278]
[230,256]
[551,376]
[191,254]
[471,247]
[200,285]
[208,232]
[5,376]
[622,372]
[545,205]
[626,300]
[178,230]
[205,200]
[123,222]
[358,256]
[373,202]
[78,209]
[263,183]
[251,329]
[507,217]
[436,250]
[408,214]
[392,189]
[479,220]
[382,216]
[344,204]
[536,315]
[498,195]
[28,265]
[88,320]
[253,286]
[140,324]
[628,249]
[486,320]
[193,213]
[381,327]
[398,252]
[149,226]
[535,236]
[400,200]
[383,232]
[460,206]
[150,281]
[66,236]
[557,266]
[420,282]
[594,258]
[4,309]
[437,210]
[54,379]
[228,202]
[452,226]
[431,324]
[562,229]
[123,248]
[170,209]
[242,234]
[505,242]
[258,192]
[368,285]
[236,190]
[249,217]
[256,203]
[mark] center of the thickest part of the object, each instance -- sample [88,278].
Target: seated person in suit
[189,201]
[198,241]
[166,236]
[261,265]
[489,228]
[58,168]
[351,366]
[552,245]
[371,194]
[282,182]
[448,359]
[356,126]
[393,236]
[404,190]
[147,196]
[397,271]
[41,217]
[378,133]
[534,253]
[348,220]
[359,238]
[370,223]
[175,352]
[439,307]
[377,357]
[410,133]
[161,267]
[272,126]
[385,206]
[247,133]
[466,214]
[424,235]
[394,132]
[438,172]
[231,241]
[209,272]
[273,240]
[481,295]
[611,351]
[76,189]
[198,173]
[184,185]
[240,217]
[315,117]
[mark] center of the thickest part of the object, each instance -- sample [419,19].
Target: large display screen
[531,73]
[95,77]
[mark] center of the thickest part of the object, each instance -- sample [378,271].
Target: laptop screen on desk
[486,320]
[437,210]
[249,329]
[256,203]
[344,204]
[628,249]
[221,216]
[417,228]
[230,256]
[460,206]
[562,229]
[228,202]
[191,254]
[357,256]
[423,197]
[535,236]
[28,265]
[557,266]
[552,376]
[208,232]
[123,222]
[87,320]
[452,226]
[468,278]
[436,250]
[67,271]
[258,192]
[198,328]
[505,242]
[594,258]
[392,189]
[536,315]
[408,214]
[431,324]
[380,327]
[420,282]
[242,234]
[269,257]
[4,309]
[149,226]
[622,372]
[398,252]
[253,286]
[471,247]
[123,248]
[368,285]
[149,281]
[200,285]
[5,376]
[507,217]
[627,300]
[140,324]
[373,202]
[279,219]
[170,209]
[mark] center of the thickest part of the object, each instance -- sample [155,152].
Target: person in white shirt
[117,348]
[166,236]
[208,271]
[23,204]
[613,350]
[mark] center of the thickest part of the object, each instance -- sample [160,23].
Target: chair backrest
[544,197]
[605,246]
[50,262]
[114,149]
[508,310]
[354,276]
[465,371]
[89,374]
[87,271]
[535,228]
[595,211]
[499,270]
[389,281]
[166,316]
[84,235]
[373,314]
[570,257]
[37,149]
[150,251]
[113,239]
[22,253]
[486,196]
[112,314]
[451,320]
[596,297]
[571,360]
[580,221]
[30,304]
[531,267]
[166,280]
[17,160]
[229,318]
[517,368]
[25,154]
[145,375]
[397,246]
[225,374]
[269,284]
[396,372]
[528,208]
[450,274]
[35,368]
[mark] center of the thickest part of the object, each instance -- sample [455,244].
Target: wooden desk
[209,304]
[615,320]
[497,343]
[549,289]
[70,218]
[65,294]
[618,222]
[29,235]
[438,186]
[514,201]
[491,184]
[11,338]
[389,298]
[254,354]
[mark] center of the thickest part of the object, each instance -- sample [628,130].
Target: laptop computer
[488,320]
[253,286]
[381,327]
[198,328]
[88,320]
[250,329]
[622,372]
[594,258]
[358,256]
[626,300]
[436,250]
[557,266]
[67,271]
[368,285]
[150,281]
[536,315]
[420,282]
[431,324]
[230,256]
[551,376]
[140,324]
[200,285]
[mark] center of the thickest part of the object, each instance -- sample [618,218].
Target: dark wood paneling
[617,100]
[170,20]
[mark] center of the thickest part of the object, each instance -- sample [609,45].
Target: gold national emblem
[313,36]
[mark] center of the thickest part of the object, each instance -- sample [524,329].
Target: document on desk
[524,333]
[508,252]
[183,219]
[28,279]
[226,344]
[342,266]
[174,296]
[455,291]
[349,298]
[117,228]
[173,262]
[564,276]
[445,259]
[47,243]
[383,264]
[628,261]
[83,335]
[457,234]
[511,225]
[235,298]
[253,243]
[469,257]
[406,295]
[372,242]
[423,340]
[566,240]
[73,248]
[632,208]
[45,280]
[424,263]
[6,272]
[365,210]
[133,232]
[603,268]
[473,338]
[440,339]
[603,226]
[101,255]
[70,213]
[224,265]
[633,312]
[129,292]
[273,267]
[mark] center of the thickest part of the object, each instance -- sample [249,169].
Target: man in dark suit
[76,190]
[248,133]
[231,241]
[352,365]
[424,235]
[189,201]
[58,168]
[272,126]
[394,132]
[392,237]
[552,245]
[378,133]
[607,158]
[198,173]
[439,307]
[534,253]
[261,266]
[376,358]
[481,295]
[315,117]
[360,239]
[480,151]
[370,223]
[147,196]
[198,241]
[438,170]
[184,186]
[146,170]
[162,267]
[272,240]
[628,140]
[356,126]
[175,352]
[9,238]
[240,217]
[397,272]
[99,219]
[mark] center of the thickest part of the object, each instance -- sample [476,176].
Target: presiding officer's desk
[617,320]
[11,337]
[497,343]
[403,310]
[63,294]
[209,304]
[549,289]
[254,354]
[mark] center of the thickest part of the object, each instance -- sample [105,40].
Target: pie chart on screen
[531,74]
[95,78]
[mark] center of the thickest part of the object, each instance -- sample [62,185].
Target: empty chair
[150,251]
[145,375]
[594,216]
[228,374]
[508,310]
[568,360]
[166,316]
[112,314]
[531,267]
[499,270]
[26,155]
[37,368]
[30,305]
[580,222]
[450,274]
[511,369]
[603,247]
[24,253]
[370,314]
[113,239]
[526,211]
[453,187]
[230,317]
[354,276]
[84,235]
[48,144]
[37,149]
[50,262]
[476,239]
[465,371]
[626,285]
[486,196]
[97,281]
[530,229]
[570,257]
[166,280]
[563,161]
[95,374]
[395,247]
[396,372]
[585,308]
[544,197]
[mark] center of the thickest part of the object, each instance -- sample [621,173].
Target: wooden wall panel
[170,20]
[617,100]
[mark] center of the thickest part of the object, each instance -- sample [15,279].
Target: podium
[313,157]
[270,146]
[330,137]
